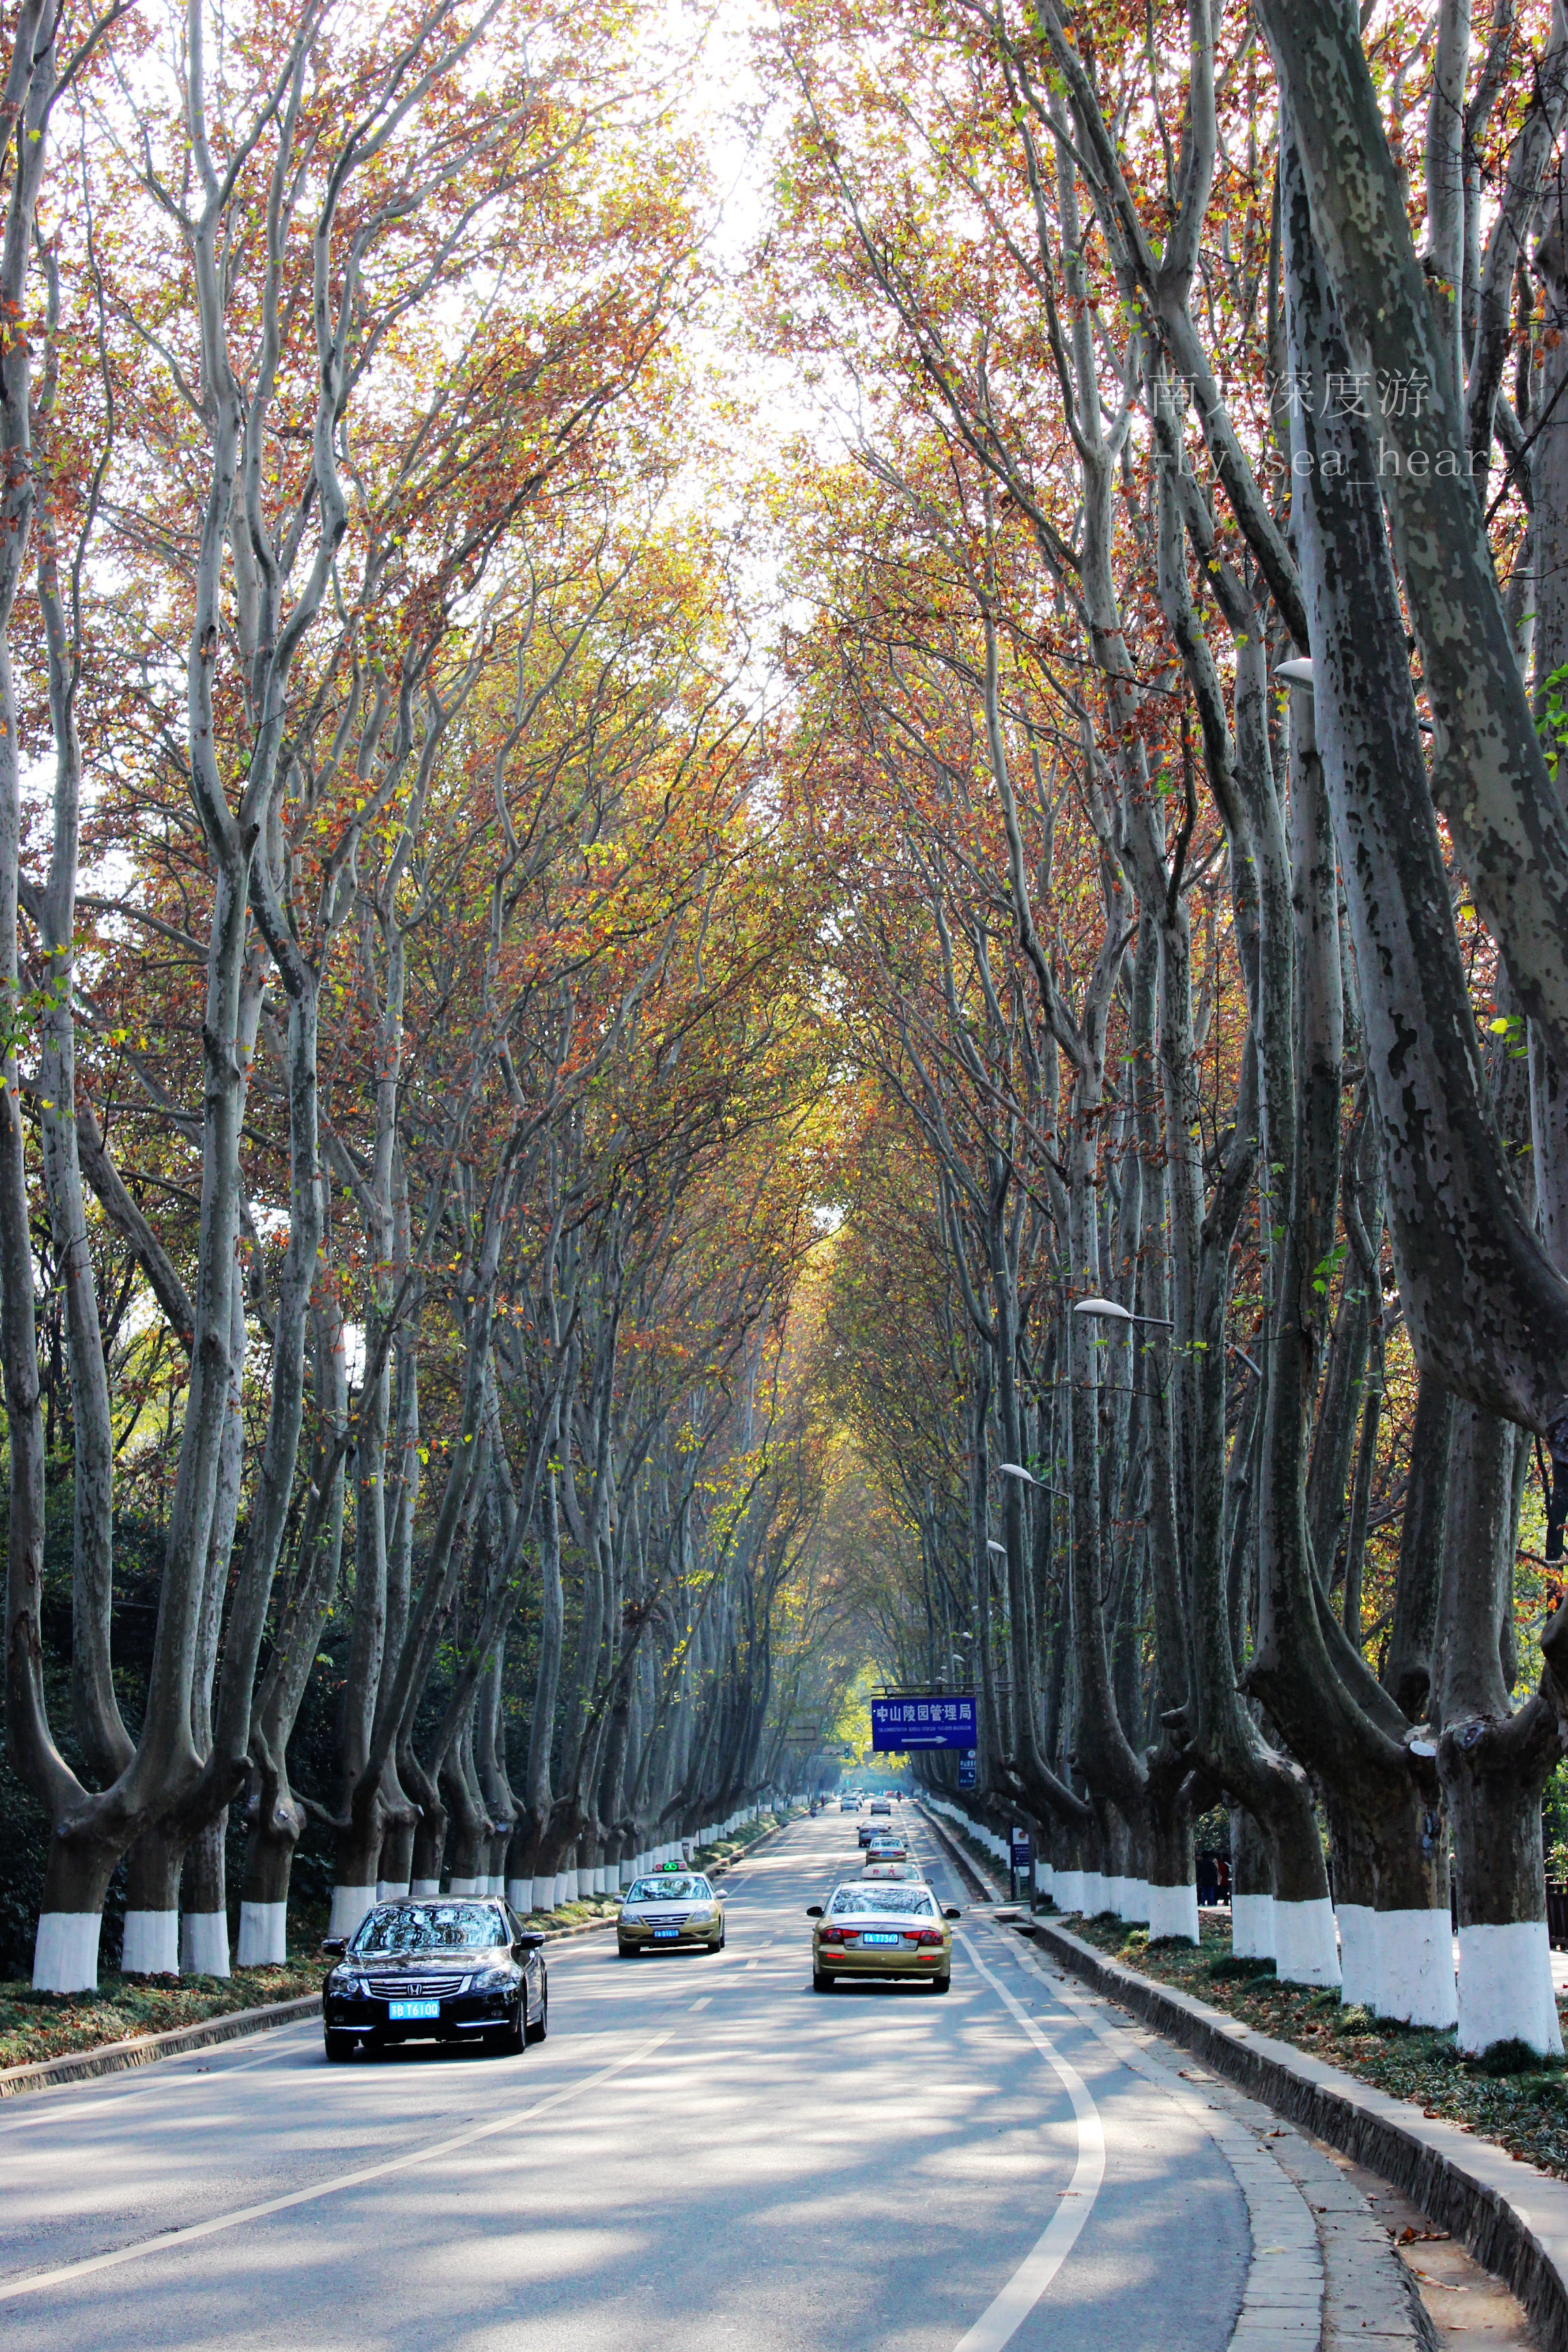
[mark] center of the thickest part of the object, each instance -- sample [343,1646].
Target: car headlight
[633,1920]
[704,1915]
[498,1980]
[346,1984]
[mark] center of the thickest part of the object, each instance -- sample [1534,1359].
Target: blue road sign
[966,1770]
[898,1724]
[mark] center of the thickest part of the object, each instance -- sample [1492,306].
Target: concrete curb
[1512,2218]
[145,2049]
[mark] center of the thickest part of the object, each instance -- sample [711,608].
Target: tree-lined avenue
[780,2168]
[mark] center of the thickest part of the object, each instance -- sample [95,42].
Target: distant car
[449,1971]
[887,1848]
[880,1805]
[848,1804]
[866,1832]
[670,1911]
[881,1931]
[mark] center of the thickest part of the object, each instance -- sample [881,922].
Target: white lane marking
[1001,2322]
[752,1964]
[702,2003]
[1277,2206]
[11,2289]
[167,2074]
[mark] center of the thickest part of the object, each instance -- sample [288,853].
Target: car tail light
[926,1935]
[837,1934]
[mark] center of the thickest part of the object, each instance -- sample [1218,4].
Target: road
[703,2150]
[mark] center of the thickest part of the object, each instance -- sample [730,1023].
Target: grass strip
[35,2026]
[1517,2102]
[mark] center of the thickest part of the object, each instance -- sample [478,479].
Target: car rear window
[886,1898]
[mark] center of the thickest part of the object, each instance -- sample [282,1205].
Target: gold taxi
[671,1911]
[887,1927]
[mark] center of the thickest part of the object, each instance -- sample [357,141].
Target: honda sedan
[451,1971]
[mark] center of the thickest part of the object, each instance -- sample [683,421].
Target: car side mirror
[335,1946]
[530,1940]
[814,1910]
[951,1913]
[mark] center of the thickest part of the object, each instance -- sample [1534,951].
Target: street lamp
[1105,1310]
[1027,1478]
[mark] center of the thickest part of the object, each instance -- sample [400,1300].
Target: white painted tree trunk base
[422,1890]
[1173,1911]
[1096,1893]
[1360,1965]
[65,1951]
[1068,1890]
[204,1944]
[629,1872]
[1117,1895]
[263,1935]
[1415,1968]
[460,1887]
[1505,1987]
[565,1888]
[1138,1902]
[390,1890]
[152,1947]
[1044,1880]
[349,1906]
[519,1894]
[1306,1951]
[1252,1926]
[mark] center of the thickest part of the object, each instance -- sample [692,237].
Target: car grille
[670,1918]
[415,1988]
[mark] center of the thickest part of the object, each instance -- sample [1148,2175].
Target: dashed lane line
[11,2289]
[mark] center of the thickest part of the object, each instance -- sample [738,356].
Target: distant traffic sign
[966,1770]
[935,1720]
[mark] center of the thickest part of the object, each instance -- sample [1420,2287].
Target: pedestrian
[1208,1879]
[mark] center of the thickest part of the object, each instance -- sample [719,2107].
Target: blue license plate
[665,1935]
[401,2010]
[871,1937]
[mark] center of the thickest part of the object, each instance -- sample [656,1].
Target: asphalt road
[704,2150]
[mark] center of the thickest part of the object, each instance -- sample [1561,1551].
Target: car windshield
[431,1927]
[672,1889]
[897,1902]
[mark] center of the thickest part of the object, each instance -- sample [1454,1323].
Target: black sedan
[447,1970]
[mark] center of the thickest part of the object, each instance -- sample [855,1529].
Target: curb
[146,2048]
[143,2049]
[1512,2218]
